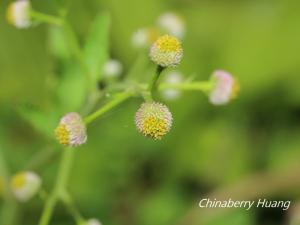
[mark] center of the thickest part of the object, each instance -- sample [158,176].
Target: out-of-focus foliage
[123,178]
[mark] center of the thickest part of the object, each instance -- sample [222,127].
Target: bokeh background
[248,149]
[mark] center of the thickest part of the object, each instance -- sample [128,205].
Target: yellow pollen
[154,127]
[167,43]
[18,181]
[10,14]
[62,135]
[235,89]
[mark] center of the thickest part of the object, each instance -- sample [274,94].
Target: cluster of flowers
[153,119]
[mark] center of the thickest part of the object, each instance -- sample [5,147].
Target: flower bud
[25,185]
[171,24]
[144,37]
[18,14]
[71,130]
[93,222]
[173,77]
[112,68]
[153,120]
[224,89]
[166,51]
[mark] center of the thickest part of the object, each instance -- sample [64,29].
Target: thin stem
[116,101]
[62,179]
[153,84]
[204,86]
[68,201]
[45,18]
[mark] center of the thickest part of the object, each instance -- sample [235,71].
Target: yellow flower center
[62,134]
[10,14]
[235,89]
[18,181]
[167,43]
[154,127]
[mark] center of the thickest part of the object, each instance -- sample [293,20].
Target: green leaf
[41,121]
[57,43]
[96,50]
[72,89]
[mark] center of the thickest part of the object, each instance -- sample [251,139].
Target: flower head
[71,130]
[172,77]
[172,24]
[153,120]
[144,37]
[112,68]
[18,14]
[25,185]
[225,88]
[93,222]
[166,51]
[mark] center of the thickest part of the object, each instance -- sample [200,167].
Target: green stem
[62,179]
[153,84]
[204,86]
[68,201]
[45,18]
[116,101]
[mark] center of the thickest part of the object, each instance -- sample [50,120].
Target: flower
[18,14]
[71,130]
[112,68]
[172,77]
[93,222]
[166,51]
[25,185]
[224,89]
[153,120]
[172,24]
[144,37]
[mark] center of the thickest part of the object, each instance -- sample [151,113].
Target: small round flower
[172,24]
[225,88]
[25,185]
[153,120]
[71,130]
[112,68]
[93,221]
[166,51]
[144,37]
[172,77]
[18,14]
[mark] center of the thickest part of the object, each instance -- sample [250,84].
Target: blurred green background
[247,149]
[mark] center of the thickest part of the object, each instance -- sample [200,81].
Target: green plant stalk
[204,86]
[45,18]
[60,185]
[153,84]
[113,103]
[67,200]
